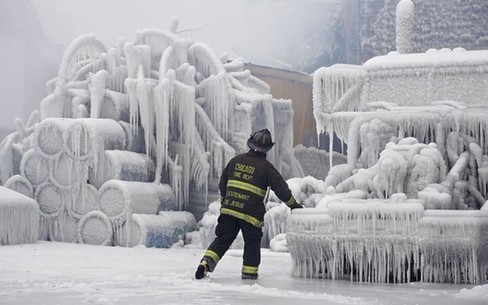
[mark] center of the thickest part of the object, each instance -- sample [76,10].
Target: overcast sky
[262,29]
[219,23]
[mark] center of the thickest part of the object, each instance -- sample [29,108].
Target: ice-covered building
[131,133]
[410,204]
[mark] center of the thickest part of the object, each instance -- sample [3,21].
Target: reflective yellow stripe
[291,201]
[247,187]
[242,216]
[212,255]
[249,269]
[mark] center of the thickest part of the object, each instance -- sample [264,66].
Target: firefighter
[243,187]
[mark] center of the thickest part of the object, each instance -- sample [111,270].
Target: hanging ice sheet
[376,217]
[19,218]
[453,245]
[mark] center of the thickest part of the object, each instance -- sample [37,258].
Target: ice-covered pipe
[160,231]
[204,60]
[134,138]
[49,137]
[21,185]
[95,229]
[124,165]
[65,172]
[115,106]
[182,222]
[19,218]
[84,46]
[169,60]
[120,199]
[84,200]
[51,199]
[159,41]
[86,139]
[65,229]
[34,168]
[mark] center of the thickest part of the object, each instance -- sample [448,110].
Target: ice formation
[129,131]
[410,203]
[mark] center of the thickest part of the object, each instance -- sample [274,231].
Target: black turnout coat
[243,186]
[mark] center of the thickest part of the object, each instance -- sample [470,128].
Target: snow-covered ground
[65,273]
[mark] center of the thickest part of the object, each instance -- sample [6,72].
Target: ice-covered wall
[134,129]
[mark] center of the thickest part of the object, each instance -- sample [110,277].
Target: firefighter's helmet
[260,141]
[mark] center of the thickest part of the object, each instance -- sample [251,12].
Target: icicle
[146,108]
[162,111]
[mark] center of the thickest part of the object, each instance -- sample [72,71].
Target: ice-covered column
[404,26]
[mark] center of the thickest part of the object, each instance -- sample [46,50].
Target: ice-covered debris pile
[132,130]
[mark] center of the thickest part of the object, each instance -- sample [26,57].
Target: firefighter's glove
[296,205]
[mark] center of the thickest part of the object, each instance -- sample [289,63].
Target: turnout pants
[227,229]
